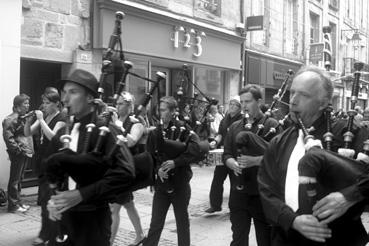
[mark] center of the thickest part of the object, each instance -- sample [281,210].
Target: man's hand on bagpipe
[247,161]
[162,174]
[331,207]
[234,166]
[63,201]
[167,165]
[310,227]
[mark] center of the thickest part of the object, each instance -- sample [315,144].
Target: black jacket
[272,177]
[118,171]
[182,156]
[230,151]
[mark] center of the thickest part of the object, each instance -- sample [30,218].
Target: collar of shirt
[84,120]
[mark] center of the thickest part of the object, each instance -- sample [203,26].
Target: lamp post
[355,39]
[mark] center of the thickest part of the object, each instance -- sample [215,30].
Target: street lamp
[355,39]
[355,36]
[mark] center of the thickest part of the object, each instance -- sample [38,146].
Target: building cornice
[297,62]
[159,15]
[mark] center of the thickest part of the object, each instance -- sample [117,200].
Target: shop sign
[83,56]
[188,38]
[254,23]
[279,76]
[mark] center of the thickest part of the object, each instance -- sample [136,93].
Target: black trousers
[88,228]
[243,208]
[48,227]
[180,199]
[17,165]
[216,190]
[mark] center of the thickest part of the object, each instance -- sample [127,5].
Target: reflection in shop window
[137,86]
[210,82]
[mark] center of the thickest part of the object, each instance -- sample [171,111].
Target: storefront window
[210,82]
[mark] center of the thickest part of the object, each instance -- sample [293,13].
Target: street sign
[316,52]
[254,23]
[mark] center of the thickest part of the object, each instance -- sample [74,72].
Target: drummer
[221,171]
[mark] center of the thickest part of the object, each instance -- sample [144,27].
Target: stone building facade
[291,30]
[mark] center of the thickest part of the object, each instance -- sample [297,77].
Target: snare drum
[215,157]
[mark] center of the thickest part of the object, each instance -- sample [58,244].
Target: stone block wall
[229,13]
[53,29]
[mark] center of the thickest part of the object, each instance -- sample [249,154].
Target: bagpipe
[171,143]
[322,172]
[198,118]
[254,144]
[276,99]
[248,143]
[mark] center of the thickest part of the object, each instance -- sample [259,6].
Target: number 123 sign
[188,38]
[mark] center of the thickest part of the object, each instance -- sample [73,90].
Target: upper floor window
[334,4]
[210,6]
[314,28]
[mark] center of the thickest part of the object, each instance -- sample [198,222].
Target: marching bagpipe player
[310,94]
[244,200]
[83,207]
[173,159]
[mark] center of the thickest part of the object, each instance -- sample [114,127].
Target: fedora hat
[83,78]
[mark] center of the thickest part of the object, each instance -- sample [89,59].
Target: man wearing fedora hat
[84,209]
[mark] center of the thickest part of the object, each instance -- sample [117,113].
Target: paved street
[214,230]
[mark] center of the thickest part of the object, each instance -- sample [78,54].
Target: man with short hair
[221,171]
[84,208]
[245,204]
[20,150]
[172,186]
[310,94]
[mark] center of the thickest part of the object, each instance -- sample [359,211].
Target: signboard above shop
[255,23]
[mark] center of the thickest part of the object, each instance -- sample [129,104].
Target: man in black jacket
[20,150]
[244,204]
[310,93]
[84,208]
[173,175]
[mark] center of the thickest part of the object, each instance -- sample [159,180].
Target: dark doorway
[35,76]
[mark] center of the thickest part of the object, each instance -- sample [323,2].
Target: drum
[214,157]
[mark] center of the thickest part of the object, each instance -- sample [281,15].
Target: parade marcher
[20,150]
[84,209]
[310,94]
[245,204]
[221,171]
[177,169]
[48,126]
[135,131]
